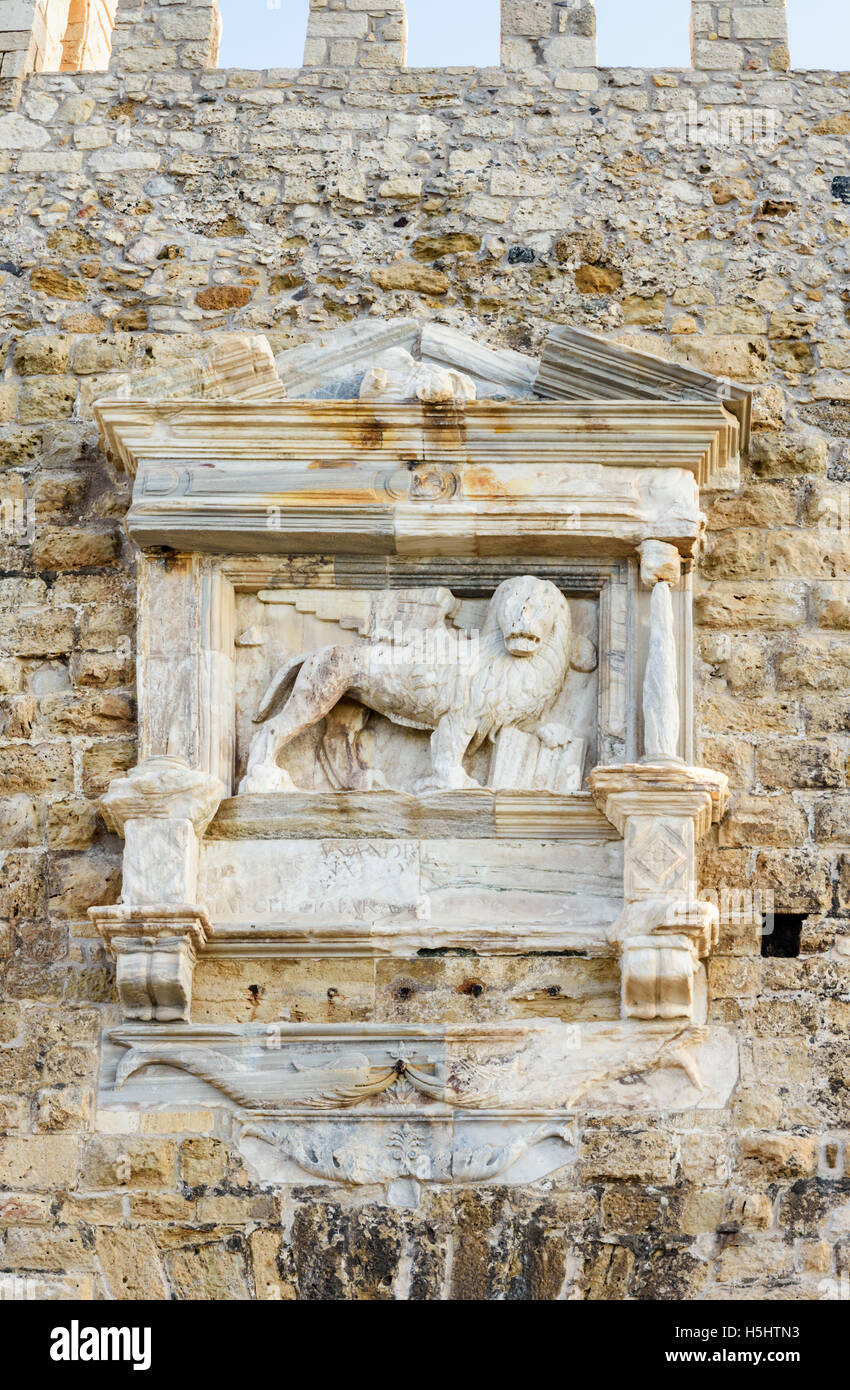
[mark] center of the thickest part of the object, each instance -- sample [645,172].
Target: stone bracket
[155,949]
[665,930]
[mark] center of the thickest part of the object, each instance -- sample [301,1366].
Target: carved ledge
[155,950]
[162,788]
[645,789]
[542,1066]
[461,815]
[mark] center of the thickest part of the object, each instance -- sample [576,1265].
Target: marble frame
[599,495]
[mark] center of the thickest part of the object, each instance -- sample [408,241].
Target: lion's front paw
[554,736]
[267,779]
[455,779]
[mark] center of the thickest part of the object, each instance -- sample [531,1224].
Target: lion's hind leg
[322,681]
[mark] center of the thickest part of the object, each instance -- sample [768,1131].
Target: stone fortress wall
[152,203]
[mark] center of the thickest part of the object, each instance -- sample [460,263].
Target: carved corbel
[661,942]
[155,950]
[661,810]
[162,808]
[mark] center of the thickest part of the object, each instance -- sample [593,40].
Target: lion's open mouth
[522,643]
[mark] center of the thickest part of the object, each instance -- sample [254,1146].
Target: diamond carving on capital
[658,854]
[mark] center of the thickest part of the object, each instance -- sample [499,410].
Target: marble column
[660,568]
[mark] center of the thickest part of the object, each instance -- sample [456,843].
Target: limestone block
[16,14]
[570,51]
[718,56]
[538,31]
[17,133]
[338,24]
[760,21]
[529,18]
[39,1162]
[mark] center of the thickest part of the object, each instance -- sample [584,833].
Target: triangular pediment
[338,364]
[579,366]
[402,359]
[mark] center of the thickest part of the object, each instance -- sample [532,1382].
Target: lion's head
[527,611]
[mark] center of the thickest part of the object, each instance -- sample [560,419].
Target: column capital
[649,790]
[162,788]
[659,563]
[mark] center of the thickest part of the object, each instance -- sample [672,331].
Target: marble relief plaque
[415,674]
[432,634]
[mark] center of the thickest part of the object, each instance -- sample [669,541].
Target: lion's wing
[397,613]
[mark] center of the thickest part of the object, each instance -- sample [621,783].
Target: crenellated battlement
[42,36]
[55,36]
[356,34]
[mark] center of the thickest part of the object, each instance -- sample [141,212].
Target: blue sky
[270,33]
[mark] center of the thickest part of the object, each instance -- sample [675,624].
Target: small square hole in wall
[784,939]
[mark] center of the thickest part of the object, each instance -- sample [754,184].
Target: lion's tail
[279,689]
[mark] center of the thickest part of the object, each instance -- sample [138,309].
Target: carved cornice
[122,925]
[645,789]
[580,366]
[412,480]
[700,437]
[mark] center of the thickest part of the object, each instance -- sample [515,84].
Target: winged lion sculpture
[510,676]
